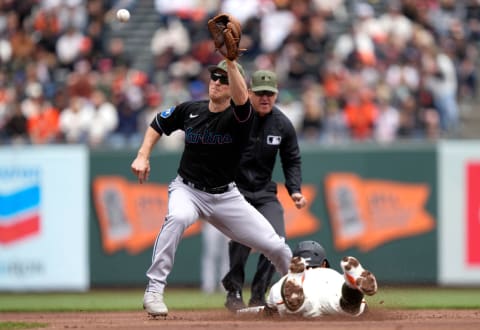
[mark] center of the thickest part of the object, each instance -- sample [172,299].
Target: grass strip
[185,299]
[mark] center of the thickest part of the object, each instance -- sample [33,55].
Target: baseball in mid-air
[123,15]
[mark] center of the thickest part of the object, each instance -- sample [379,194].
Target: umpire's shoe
[257,300]
[154,305]
[357,277]
[234,301]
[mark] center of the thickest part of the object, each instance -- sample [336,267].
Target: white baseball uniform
[322,288]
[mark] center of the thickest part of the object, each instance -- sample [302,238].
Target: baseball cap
[222,65]
[264,80]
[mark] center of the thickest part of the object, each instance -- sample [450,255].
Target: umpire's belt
[210,190]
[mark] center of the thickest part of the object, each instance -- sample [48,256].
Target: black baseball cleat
[234,301]
[256,300]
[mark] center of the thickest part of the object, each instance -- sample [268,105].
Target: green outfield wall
[375,202]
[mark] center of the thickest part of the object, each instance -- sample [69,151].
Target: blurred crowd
[348,70]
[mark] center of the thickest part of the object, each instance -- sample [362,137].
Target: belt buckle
[188,183]
[221,189]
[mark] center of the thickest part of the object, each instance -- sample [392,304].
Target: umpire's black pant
[266,202]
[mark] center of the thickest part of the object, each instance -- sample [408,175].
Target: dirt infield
[221,319]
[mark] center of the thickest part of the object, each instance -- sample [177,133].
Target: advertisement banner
[369,213]
[43,218]
[459,212]
[473,213]
[378,204]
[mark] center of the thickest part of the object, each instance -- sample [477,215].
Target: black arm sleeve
[290,158]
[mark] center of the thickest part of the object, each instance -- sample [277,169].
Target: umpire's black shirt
[270,135]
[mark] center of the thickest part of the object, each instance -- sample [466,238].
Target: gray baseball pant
[229,212]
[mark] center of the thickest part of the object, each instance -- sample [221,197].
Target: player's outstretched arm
[238,86]
[226,33]
[141,164]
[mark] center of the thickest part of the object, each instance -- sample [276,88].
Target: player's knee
[181,218]
[280,255]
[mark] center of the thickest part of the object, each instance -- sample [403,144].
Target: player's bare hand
[299,200]
[141,168]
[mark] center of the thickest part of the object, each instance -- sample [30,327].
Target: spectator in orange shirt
[360,114]
[43,123]
[43,127]
[47,25]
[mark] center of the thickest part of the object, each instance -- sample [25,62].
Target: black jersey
[270,135]
[214,141]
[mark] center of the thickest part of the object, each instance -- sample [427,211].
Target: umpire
[272,133]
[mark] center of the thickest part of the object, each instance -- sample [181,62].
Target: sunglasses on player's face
[262,93]
[218,76]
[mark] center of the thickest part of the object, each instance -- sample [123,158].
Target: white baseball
[123,15]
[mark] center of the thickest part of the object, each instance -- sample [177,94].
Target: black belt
[210,190]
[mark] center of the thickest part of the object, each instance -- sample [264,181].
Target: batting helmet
[313,253]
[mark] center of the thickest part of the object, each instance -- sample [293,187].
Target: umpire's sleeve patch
[167,113]
[274,140]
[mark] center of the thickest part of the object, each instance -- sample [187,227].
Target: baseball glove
[226,32]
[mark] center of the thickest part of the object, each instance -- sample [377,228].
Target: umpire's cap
[264,80]
[313,253]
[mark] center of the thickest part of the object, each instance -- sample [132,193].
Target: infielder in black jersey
[216,133]
[272,134]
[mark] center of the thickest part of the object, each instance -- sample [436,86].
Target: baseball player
[272,134]
[311,288]
[216,132]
